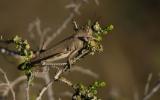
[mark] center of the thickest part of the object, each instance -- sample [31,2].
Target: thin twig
[27,91]
[43,90]
[49,90]
[9,52]
[152,92]
[41,33]
[147,86]
[14,83]
[8,83]
[18,80]
[64,80]
[58,31]
[56,78]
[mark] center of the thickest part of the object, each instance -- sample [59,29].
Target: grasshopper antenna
[41,48]
[76,27]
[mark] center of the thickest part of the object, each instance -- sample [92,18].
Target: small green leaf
[97,27]
[110,28]
[16,39]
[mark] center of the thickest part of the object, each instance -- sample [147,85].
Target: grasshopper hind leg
[70,58]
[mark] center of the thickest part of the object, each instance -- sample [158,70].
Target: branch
[15,82]
[27,91]
[58,31]
[148,84]
[152,92]
[43,90]
[40,32]
[50,93]
[8,83]
[6,51]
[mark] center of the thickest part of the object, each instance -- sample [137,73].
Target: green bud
[97,27]
[27,46]
[110,28]
[102,84]
[94,92]
[25,52]
[16,39]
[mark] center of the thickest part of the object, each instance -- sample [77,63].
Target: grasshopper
[67,48]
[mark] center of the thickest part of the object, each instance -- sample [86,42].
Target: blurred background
[131,51]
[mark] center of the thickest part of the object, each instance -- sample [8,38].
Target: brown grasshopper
[67,48]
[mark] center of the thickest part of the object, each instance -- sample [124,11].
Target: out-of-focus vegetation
[131,52]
